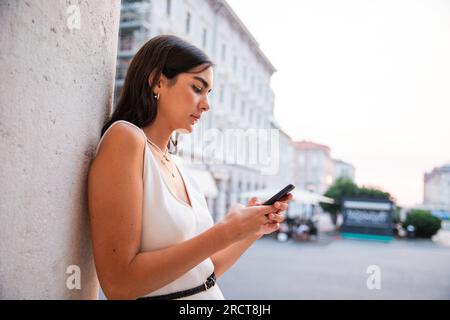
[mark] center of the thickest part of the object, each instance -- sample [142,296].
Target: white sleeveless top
[167,221]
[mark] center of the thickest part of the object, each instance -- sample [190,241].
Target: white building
[436,184]
[286,157]
[315,170]
[343,169]
[242,97]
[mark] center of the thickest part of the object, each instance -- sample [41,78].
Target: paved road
[334,268]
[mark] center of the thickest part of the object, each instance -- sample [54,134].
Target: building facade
[343,169]
[286,157]
[436,184]
[315,170]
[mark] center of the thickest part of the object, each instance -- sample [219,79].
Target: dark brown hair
[165,54]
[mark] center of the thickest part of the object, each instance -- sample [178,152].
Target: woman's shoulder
[121,135]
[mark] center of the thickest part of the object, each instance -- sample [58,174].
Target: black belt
[209,283]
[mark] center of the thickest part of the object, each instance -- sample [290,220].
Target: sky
[370,79]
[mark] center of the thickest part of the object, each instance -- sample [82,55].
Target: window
[314,161]
[168,7]
[128,15]
[234,63]
[222,93]
[301,159]
[116,95]
[228,196]
[233,101]
[126,40]
[204,37]
[208,120]
[188,22]
[224,52]
[122,67]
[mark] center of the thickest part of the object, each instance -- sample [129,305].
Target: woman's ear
[158,83]
[151,79]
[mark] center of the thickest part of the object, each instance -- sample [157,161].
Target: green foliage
[341,188]
[426,225]
[372,193]
[344,187]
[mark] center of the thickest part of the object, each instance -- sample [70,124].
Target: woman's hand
[241,222]
[274,218]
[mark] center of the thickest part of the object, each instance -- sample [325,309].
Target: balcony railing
[131,41]
[135,15]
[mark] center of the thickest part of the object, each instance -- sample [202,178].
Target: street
[335,268]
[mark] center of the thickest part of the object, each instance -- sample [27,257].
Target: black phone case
[279,195]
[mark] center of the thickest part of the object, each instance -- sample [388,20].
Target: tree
[425,224]
[373,193]
[341,188]
[344,187]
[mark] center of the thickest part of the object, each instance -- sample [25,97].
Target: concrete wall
[56,88]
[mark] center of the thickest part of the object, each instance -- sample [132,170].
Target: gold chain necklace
[165,159]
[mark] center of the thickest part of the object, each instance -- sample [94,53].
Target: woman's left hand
[274,218]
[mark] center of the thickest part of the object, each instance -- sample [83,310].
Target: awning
[205,181]
[300,196]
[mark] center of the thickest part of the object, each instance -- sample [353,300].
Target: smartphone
[279,195]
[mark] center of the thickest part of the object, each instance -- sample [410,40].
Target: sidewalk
[443,236]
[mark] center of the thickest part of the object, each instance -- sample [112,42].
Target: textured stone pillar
[57,66]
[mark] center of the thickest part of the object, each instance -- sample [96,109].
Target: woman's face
[182,103]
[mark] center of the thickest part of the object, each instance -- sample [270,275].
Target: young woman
[152,233]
